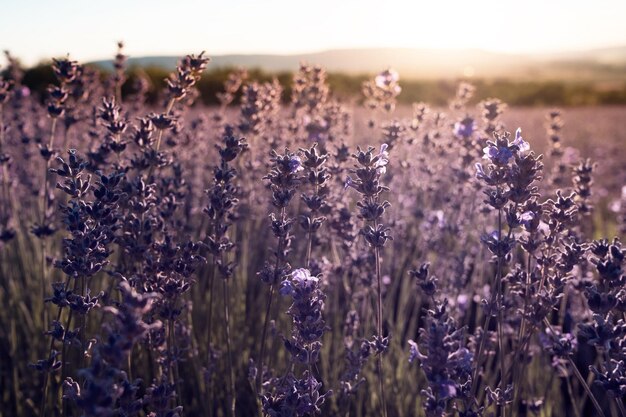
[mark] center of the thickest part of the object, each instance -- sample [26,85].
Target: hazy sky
[88,29]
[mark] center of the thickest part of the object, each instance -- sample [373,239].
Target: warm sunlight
[321,208]
[246,26]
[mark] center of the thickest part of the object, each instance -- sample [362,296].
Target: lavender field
[319,258]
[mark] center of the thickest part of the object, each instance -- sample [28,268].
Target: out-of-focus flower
[388,78]
[464,128]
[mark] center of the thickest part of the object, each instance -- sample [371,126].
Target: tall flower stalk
[294,396]
[316,175]
[66,71]
[284,179]
[222,204]
[368,172]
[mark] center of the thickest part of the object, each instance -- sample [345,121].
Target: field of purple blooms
[316,259]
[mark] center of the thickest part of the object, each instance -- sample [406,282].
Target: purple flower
[480,171]
[447,389]
[303,277]
[387,78]
[295,164]
[521,144]
[462,302]
[499,155]
[301,281]
[464,128]
[383,159]
[526,219]
[439,217]
[347,183]
[24,92]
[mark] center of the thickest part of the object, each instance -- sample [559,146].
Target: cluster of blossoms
[559,174]
[446,363]
[310,89]
[284,179]
[368,171]
[381,93]
[491,110]
[509,177]
[464,93]
[259,105]
[316,176]
[295,396]
[106,388]
[221,211]
[231,87]
[607,300]
[315,114]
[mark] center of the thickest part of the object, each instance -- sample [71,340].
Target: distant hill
[607,64]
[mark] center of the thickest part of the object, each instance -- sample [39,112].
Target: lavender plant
[519,308]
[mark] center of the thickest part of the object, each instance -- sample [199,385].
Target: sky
[88,29]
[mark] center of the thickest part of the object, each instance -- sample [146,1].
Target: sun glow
[246,26]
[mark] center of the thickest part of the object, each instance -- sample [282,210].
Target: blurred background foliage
[347,87]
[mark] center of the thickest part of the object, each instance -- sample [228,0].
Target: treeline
[347,87]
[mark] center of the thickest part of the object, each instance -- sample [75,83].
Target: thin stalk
[263,337]
[620,405]
[210,328]
[580,377]
[65,139]
[64,361]
[493,299]
[609,368]
[1,125]
[283,213]
[44,211]
[231,372]
[118,92]
[481,346]
[42,407]
[83,324]
[168,110]
[570,391]
[520,336]
[174,372]
[379,326]
[308,249]
[170,348]
[310,241]
[586,387]
[170,104]
[209,337]
[130,362]
[499,306]
[380,333]
[53,127]
[210,307]
[5,169]
[43,280]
